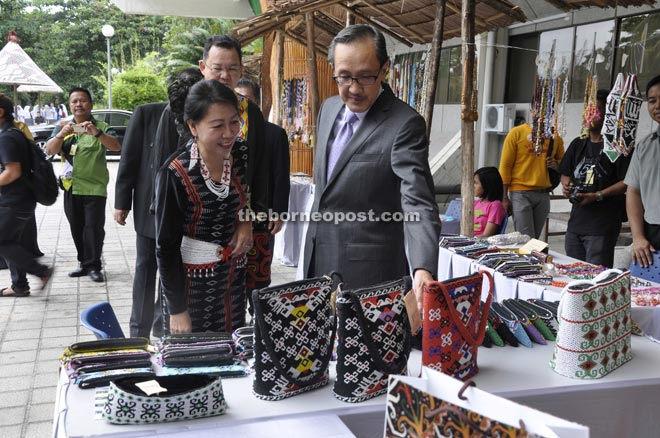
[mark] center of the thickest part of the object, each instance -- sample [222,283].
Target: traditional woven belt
[199,257]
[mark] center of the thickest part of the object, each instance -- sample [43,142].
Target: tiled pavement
[35,330]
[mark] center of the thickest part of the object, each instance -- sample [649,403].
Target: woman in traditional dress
[203,222]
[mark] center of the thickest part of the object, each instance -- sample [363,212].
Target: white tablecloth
[621,404]
[288,240]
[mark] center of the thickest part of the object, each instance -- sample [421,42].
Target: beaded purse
[455,324]
[186,397]
[594,326]
[293,338]
[373,339]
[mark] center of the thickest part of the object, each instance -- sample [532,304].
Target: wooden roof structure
[569,5]
[408,21]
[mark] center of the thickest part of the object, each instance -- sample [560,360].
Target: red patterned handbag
[455,324]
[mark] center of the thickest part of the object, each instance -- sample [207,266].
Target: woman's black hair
[8,106]
[177,92]
[491,183]
[204,94]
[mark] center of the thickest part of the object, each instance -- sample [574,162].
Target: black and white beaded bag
[373,339]
[293,338]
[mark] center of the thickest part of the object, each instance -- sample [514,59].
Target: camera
[578,187]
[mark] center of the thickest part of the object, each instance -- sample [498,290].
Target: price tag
[533,245]
[150,387]
[413,312]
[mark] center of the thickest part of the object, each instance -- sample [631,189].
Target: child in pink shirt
[489,212]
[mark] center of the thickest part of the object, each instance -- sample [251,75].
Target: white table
[622,404]
[288,240]
[452,265]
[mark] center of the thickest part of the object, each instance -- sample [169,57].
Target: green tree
[139,84]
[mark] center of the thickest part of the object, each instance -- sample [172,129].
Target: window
[563,40]
[601,37]
[638,48]
[521,66]
[450,76]
[118,119]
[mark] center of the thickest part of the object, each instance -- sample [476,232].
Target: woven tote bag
[293,338]
[594,326]
[455,324]
[373,339]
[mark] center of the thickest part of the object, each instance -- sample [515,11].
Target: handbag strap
[270,348]
[456,318]
[395,367]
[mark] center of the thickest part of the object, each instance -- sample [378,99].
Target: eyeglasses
[228,70]
[343,81]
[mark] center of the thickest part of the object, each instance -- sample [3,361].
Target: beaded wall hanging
[622,110]
[549,100]
[407,78]
[294,110]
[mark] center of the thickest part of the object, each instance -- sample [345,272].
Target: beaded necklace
[220,189]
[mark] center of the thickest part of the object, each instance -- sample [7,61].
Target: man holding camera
[594,185]
[83,143]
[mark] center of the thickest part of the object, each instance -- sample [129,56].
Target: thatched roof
[409,21]
[568,5]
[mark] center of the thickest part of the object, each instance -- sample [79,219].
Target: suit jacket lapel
[374,117]
[326,125]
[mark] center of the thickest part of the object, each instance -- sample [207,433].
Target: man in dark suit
[260,256]
[135,181]
[371,166]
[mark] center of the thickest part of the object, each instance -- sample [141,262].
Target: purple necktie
[341,140]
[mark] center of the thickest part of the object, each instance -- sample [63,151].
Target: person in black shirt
[595,187]
[17,205]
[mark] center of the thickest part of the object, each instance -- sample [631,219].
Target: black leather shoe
[80,272]
[96,276]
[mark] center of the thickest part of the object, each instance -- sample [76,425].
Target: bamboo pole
[313,86]
[434,63]
[280,77]
[266,86]
[468,118]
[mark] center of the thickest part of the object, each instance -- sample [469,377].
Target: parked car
[117,119]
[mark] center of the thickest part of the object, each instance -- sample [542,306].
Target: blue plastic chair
[102,321]
[454,209]
[504,224]
[651,273]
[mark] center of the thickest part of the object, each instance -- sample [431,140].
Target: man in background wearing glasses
[371,155]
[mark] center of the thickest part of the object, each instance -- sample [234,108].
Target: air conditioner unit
[499,117]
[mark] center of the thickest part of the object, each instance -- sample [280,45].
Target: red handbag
[455,324]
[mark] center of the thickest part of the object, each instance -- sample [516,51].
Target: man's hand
[421,278]
[120,216]
[67,129]
[242,239]
[551,163]
[275,226]
[506,203]
[180,323]
[586,198]
[566,188]
[642,252]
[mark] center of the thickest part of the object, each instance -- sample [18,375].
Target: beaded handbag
[373,339]
[594,326]
[186,397]
[455,324]
[293,338]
